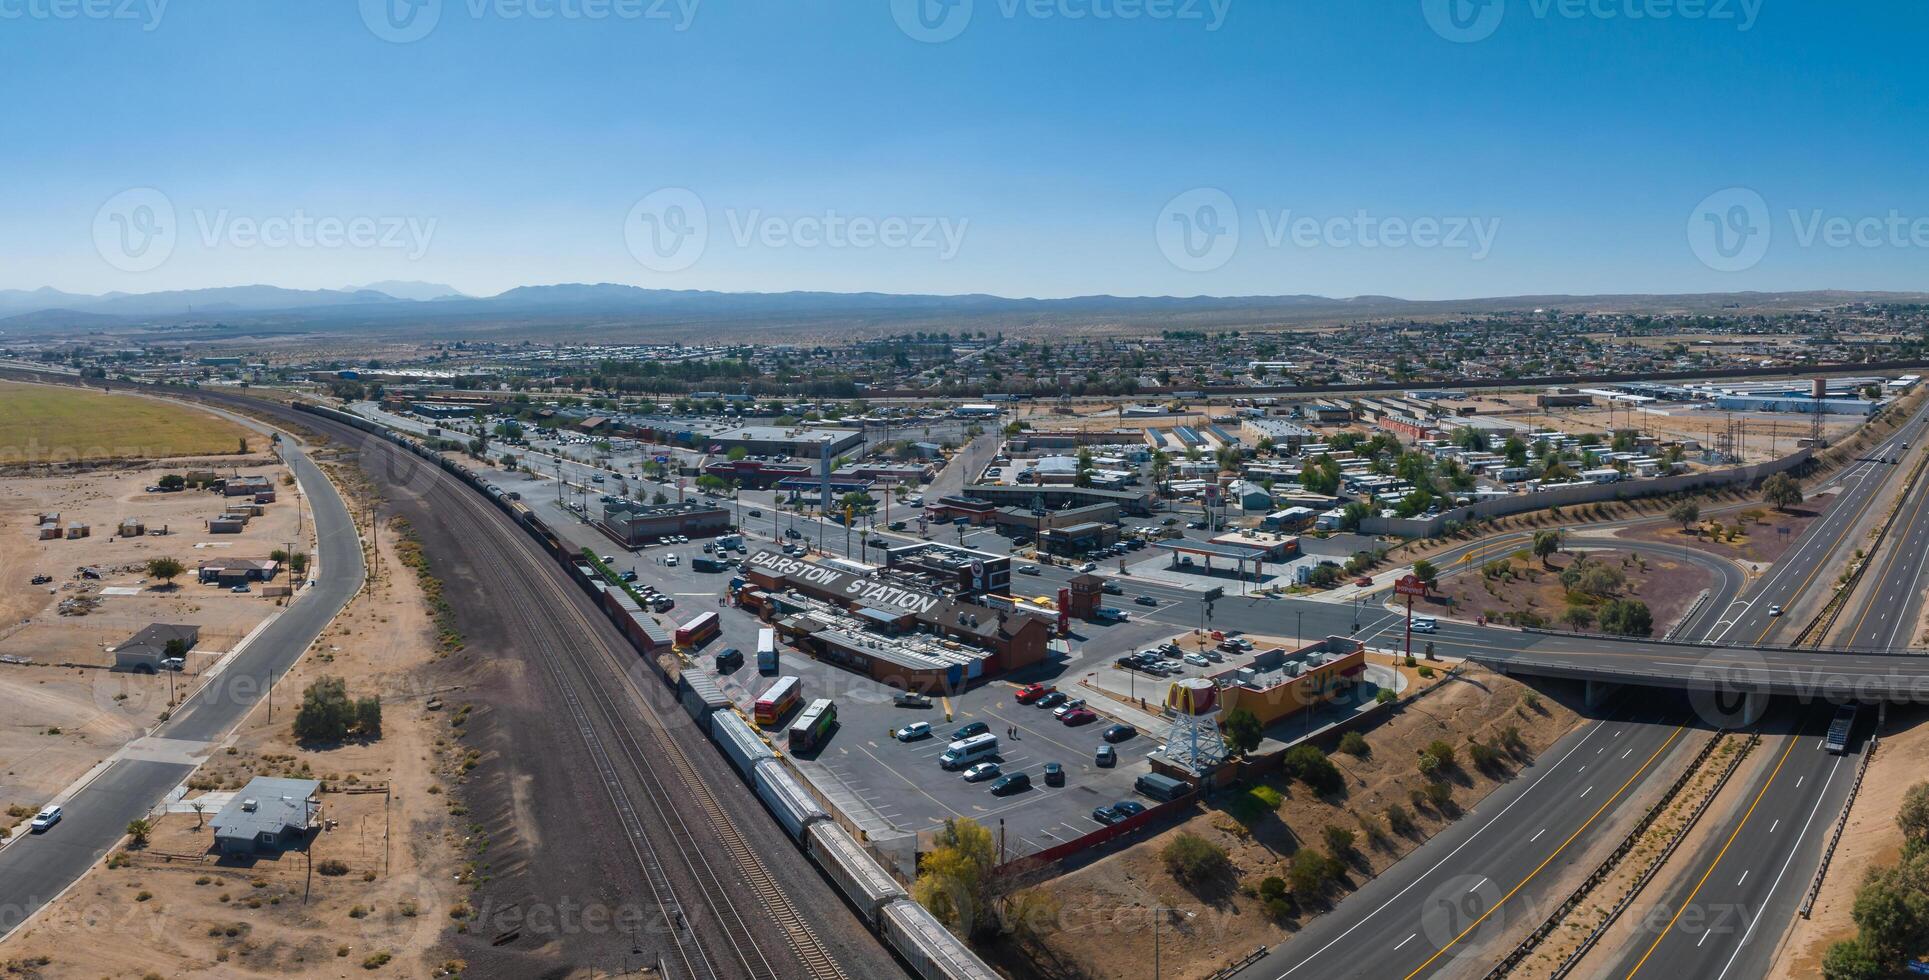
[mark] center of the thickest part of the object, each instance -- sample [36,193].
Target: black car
[1146,600]
[1052,700]
[1111,588]
[1118,733]
[1013,782]
[1118,812]
[754,512]
[1054,774]
[975,728]
[729,659]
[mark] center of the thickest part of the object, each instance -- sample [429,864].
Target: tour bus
[814,725]
[698,630]
[767,651]
[977,748]
[776,702]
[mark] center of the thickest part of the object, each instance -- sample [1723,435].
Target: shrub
[1440,795]
[1484,756]
[1441,751]
[1309,765]
[1429,766]
[1399,819]
[1354,744]
[332,868]
[1192,858]
[1385,696]
[1339,840]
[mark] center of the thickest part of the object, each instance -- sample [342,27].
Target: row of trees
[1891,908]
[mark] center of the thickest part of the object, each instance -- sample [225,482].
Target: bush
[1311,766]
[1192,858]
[1627,617]
[1440,795]
[1354,744]
[1441,752]
[1400,820]
[1311,874]
[1429,766]
[1484,756]
[1339,840]
[332,868]
[1385,696]
[1273,887]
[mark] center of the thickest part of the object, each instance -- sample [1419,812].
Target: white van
[975,749]
[1424,624]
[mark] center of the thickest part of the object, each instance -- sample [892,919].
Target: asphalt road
[37,868]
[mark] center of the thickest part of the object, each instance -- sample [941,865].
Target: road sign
[1409,585]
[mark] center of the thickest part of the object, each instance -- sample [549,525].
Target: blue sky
[1539,146]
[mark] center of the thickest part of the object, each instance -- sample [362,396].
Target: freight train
[929,949]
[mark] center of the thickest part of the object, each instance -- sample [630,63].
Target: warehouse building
[805,441]
[634,525]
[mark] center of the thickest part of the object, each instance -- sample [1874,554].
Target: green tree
[325,714]
[955,877]
[1627,617]
[1578,617]
[1546,545]
[1913,815]
[1853,959]
[1781,491]
[165,569]
[1425,571]
[1243,731]
[368,717]
[1686,513]
[173,481]
[1309,765]
[138,831]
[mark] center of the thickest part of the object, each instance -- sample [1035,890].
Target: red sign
[1408,585]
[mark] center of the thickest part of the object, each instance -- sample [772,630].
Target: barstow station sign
[827,580]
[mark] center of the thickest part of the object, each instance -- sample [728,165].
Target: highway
[1451,899]
[37,868]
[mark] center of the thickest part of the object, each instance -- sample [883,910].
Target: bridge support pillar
[1752,708]
[1598,693]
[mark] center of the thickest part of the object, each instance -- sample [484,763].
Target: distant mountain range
[605,307]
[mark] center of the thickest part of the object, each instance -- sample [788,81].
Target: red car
[1032,692]
[1364,581]
[1079,716]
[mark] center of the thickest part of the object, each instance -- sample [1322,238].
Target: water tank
[1818,388]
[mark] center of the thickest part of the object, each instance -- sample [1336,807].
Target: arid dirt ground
[1530,588]
[60,721]
[172,909]
[1104,922]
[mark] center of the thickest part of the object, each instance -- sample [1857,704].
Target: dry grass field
[55,424]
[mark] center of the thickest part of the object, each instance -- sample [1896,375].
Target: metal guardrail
[1835,836]
[1532,941]
[1824,620]
[1701,598]
[1647,875]
[1239,964]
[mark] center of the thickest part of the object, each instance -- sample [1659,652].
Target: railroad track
[558,616]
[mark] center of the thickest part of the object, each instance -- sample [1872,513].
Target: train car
[927,946]
[863,882]
[740,742]
[787,799]
[700,696]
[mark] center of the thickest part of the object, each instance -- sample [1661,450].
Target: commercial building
[953,567]
[1800,404]
[268,816]
[1277,683]
[1134,501]
[893,630]
[633,525]
[758,474]
[805,441]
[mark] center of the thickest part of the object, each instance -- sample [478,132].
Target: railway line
[712,939]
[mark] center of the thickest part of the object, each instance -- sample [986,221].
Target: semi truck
[1840,728]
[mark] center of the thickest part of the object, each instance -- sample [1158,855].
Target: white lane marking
[1704,937]
[1584,793]
[1627,753]
[1405,941]
[1738,881]
[1476,886]
[1448,856]
[1792,848]
[1537,835]
[1772,826]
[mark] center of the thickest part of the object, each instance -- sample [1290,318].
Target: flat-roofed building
[1278,683]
